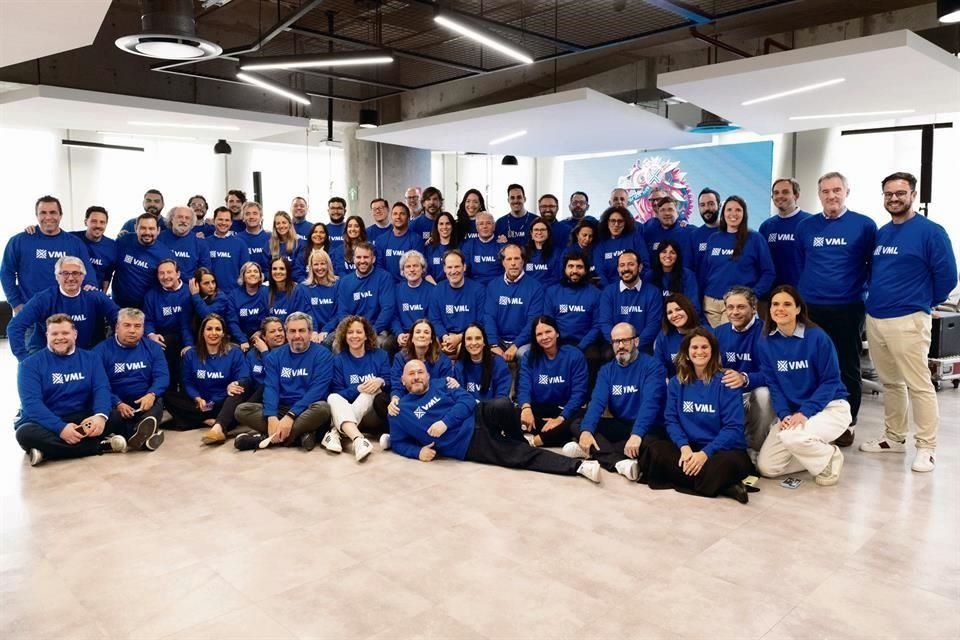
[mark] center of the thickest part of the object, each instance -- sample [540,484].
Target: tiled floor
[194,542]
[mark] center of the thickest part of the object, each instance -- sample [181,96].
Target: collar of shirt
[797,333]
[836,217]
[747,327]
[791,214]
[624,287]
[508,281]
[68,353]
[64,293]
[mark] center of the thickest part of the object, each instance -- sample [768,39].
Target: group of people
[681,356]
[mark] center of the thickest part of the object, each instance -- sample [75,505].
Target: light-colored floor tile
[251,622]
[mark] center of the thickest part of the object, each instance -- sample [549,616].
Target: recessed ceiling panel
[31,29]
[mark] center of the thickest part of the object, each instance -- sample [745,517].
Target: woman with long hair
[354,232]
[482,374]
[359,388]
[316,239]
[284,296]
[207,298]
[671,276]
[618,232]
[551,387]
[583,238]
[250,301]
[679,318]
[443,238]
[424,345]
[544,257]
[735,256]
[285,243]
[320,289]
[706,454]
[470,205]
[800,364]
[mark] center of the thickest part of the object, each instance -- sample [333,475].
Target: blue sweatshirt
[255,361]
[322,299]
[801,371]
[708,417]
[303,229]
[251,310]
[392,247]
[412,304]
[561,382]
[296,380]
[700,238]
[133,371]
[548,271]
[341,266]
[222,305]
[740,351]
[422,226]
[434,255]
[510,307]
[635,392]
[209,380]
[372,296]
[689,287]
[470,377]
[227,256]
[89,310]
[169,312]
[53,388]
[575,309]
[665,349]
[258,244]
[780,234]
[439,370]
[136,270]
[375,232]
[286,303]
[642,307]
[654,234]
[752,268]
[515,228]
[483,260]
[452,309]
[350,372]
[914,268]
[29,261]
[335,233]
[189,250]
[455,407]
[835,254]
[103,256]
[298,266]
[607,252]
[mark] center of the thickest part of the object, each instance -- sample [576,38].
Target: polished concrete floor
[196,542]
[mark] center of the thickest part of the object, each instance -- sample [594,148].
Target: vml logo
[697,407]
[169,311]
[121,367]
[572,308]
[882,250]
[781,237]
[702,247]
[733,356]
[819,241]
[289,372]
[792,365]
[507,300]
[623,389]
[717,251]
[63,378]
[409,306]
[545,379]
[422,409]
[456,308]
[358,295]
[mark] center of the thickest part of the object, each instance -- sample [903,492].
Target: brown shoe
[845,439]
[213,436]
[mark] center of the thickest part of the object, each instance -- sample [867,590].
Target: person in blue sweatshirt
[169,310]
[432,206]
[137,372]
[423,345]
[482,253]
[477,369]
[336,211]
[736,256]
[671,275]
[740,356]
[359,391]
[574,303]
[807,393]
[29,259]
[299,208]
[443,238]
[284,296]
[139,254]
[914,269]
[435,419]
[632,389]
[514,227]
[631,300]
[297,382]
[551,387]
[250,301]
[413,298]
[102,250]
[228,253]
[320,291]
[152,205]
[708,203]
[617,233]
[511,303]
[285,243]
[369,292]
[64,400]
[254,236]
[835,248]
[706,454]
[90,311]
[180,237]
[354,232]
[666,226]
[679,318]
[379,214]
[544,256]
[457,302]
[215,380]
[780,231]
[207,298]
[269,336]
[392,245]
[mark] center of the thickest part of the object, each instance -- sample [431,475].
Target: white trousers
[807,447]
[342,410]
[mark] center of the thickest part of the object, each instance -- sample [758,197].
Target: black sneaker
[146,429]
[248,441]
[845,439]
[153,442]
[308,441]
[736,491]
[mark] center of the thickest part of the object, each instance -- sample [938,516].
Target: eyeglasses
[899,195]
[617,341]
[71,274]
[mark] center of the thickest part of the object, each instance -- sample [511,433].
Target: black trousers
[186,415]
[611,435]
[660,469]
[498,439]
[174,344]
[31,435]
[314,417]
[844,324]
[376,422]
[116,423]
[558,436]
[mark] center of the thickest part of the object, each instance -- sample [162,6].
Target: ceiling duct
[169,32]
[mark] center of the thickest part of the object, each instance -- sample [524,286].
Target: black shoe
[153,442]
[738,492]
[248,441]
[308,441]
[845,439]
[146,429]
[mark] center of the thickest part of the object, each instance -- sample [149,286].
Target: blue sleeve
[200,308]
[271,386]
[30,385]
[606,313]
[8,272]
[672,415]
[401,440]
[769,370]
[203,248]
[188,372]
[943,265]
[106,308]
[319,382]
[768,273]
[590,337]
[661,352]
[100,352]
[341,301]
[463,408]
[184,322]
[239,367]
[161,373]
[435,316]
[500,379]
[598,401]
[396,373]
[29,316]
[731,434]
[524,382]
[149,310]
[388,305]
[828,371]
[578,384]
[651,326]
[490,320]
[691,289]
[643,252]
[534,310]
[102,401]
[233,319]
[91,276]
[654,398]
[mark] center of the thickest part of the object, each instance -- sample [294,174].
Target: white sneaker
[331,441]
[362,448]
[530,438]
[574,450]
[385,441]
[883,445]
[590,470]
[831,474]
[113,444]
[925,460]
[629,469]
[36,457]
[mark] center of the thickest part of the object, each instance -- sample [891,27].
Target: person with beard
[190,251]
[574,303]
[666,226]
[102,250]
[228,253]
[578,206]
[515,226]
[379,213]
[547,208]
[432,203]
[234,203]
[138,256]
[396,243]
[198,204]
[299,209]
[708,202]
[253,234]
[780,231]
[618,233]
[412,197]
[152,204]
[483,252]
[337,212]
[618,198]
[470,205]
[457,302]
[625,410]
[631,300]
[368,291]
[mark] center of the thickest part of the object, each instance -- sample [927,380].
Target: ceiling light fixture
[948,11]
[369,119]
[119,134]
[352,59]
[485,39]
[509,161]
[169,32]
[791,92]
[509,136]
[176,125]
[222,148]
[857,114]
[274,87]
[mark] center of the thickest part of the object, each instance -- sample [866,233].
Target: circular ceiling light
[168,47]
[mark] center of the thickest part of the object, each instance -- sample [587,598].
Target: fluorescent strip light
[489,41]
[274,87]
[316,61]
[791,92]
[854,115]
[118,134]
[509,136]
[602,154]
[98,145]
[175,125]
